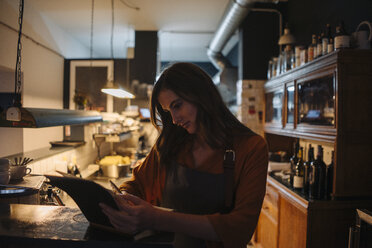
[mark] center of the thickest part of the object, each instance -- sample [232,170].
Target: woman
[205,165]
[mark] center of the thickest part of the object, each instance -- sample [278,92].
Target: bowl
[4,177]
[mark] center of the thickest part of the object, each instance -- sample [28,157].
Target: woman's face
[183,112]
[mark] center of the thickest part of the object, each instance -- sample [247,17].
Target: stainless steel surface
[235,14]
[115,171]
[38,117]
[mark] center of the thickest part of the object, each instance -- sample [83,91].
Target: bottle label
[342,41]
[310,54]
[298,182]
[330,48]
[319,51]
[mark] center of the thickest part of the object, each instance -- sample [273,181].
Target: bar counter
[24,225]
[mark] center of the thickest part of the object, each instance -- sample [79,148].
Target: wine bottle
[311,49]
[293,161]
[326,39]
[317,180]
[319,45]
[329,178]
[298,179]
[307,166]
[330,47]
[342,38]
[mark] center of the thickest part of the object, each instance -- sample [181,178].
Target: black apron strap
[228,167]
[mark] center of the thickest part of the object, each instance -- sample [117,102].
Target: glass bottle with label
[307,166]
[326,39]
[330,47]
[319,45]
[293,161]
[298,178]
[342,38]
[311,49]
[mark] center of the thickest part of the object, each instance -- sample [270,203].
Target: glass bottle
[298,178]
[326,39]
[330,47]
[274,67]
[269,69]
[311,49]
[287,57]
[307,166]
[342,38]
[329,180]
[319,47]
[293,161]
[317,180]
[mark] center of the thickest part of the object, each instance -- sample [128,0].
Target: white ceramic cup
[17,172]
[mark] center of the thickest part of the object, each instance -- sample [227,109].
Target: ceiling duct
[226,78]
[234,15]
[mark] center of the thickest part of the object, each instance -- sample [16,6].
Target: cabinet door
[274,107]
[267,228]
[267,231]
[292,225]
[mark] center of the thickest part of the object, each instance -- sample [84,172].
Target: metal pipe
[235,14]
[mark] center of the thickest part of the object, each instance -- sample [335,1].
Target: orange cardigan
[234,229]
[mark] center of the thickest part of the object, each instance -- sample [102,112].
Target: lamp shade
[286,38]
[111,89]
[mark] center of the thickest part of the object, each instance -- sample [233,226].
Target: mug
[363,38]
[17,172]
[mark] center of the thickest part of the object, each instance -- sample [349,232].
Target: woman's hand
[134,214]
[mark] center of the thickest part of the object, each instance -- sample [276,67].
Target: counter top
[57,226]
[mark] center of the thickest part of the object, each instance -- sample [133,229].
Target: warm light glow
[120,93]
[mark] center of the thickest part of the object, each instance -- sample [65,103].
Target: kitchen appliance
[26,191]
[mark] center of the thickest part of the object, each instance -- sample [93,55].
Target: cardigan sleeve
[236,228]
[147,180]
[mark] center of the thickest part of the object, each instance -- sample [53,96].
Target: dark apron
[193,192]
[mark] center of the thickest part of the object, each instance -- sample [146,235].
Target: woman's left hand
[134,214]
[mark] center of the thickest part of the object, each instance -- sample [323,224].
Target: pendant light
[287,38]
[111,88]
[24,117]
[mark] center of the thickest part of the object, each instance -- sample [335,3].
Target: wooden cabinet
[327,101]
[267,229]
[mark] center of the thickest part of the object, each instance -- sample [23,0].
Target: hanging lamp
[287,38]
[111,88]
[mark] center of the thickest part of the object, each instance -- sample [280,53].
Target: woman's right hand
[134,214]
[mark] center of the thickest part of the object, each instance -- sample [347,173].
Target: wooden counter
[52,226]
[289,220]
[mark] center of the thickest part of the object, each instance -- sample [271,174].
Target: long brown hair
[215,121]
